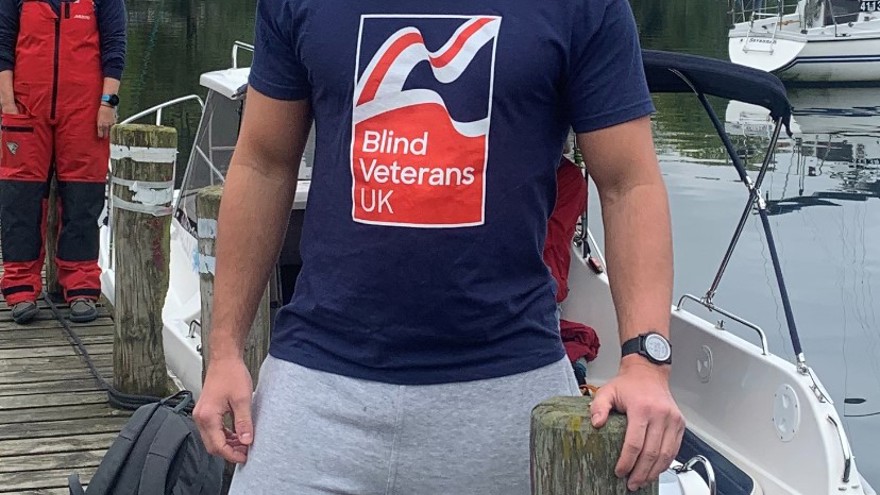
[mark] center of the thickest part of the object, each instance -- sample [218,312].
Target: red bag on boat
[580,341]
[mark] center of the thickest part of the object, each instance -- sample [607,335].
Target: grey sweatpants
[321,433]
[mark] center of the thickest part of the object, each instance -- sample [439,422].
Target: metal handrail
[235,47]
[828,6]
[847,454]
[710,472]
[192,329]
[742,321]
[158,108]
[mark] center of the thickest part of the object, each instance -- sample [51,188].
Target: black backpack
[159,451]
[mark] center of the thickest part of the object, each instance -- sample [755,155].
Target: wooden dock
[54,417]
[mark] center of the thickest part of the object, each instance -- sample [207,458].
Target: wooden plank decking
[54,418]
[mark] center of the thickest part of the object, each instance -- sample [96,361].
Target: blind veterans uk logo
[421,116]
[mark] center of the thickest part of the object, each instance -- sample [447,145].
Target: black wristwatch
[651,345]
[112,100]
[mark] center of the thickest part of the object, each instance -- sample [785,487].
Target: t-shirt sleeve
[606,79]
[112,21]
[9,16]
[276,70]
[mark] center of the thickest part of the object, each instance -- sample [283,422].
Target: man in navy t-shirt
[423,327]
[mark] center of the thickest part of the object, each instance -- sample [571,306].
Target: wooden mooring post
[570,457]
[53,288]
[142,183]
[257,343]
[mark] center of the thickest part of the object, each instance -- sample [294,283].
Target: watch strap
[111,100]
[631,346]
[635,345]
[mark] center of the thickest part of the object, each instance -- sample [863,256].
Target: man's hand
[106,118]
[228,389]
[7,95]
[654,424]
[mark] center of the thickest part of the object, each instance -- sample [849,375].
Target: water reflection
[834,135]
[170,44]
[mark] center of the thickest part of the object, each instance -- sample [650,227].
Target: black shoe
[83,311]
[24,312]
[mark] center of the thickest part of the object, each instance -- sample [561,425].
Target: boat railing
[757,10]
[235,47]
[157,109]
[837,12]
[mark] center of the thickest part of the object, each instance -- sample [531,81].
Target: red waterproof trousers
[58,83]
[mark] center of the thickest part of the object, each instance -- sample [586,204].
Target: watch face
[657,347]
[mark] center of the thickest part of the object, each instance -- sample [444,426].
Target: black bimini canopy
[669,72]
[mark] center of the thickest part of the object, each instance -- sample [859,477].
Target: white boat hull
[182,306]
[755,410]
[853,55]
[784,53]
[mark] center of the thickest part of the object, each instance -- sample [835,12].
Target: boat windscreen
[211,154]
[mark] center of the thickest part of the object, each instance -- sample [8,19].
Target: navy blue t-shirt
[439,126]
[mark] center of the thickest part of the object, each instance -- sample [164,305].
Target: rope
[117,399]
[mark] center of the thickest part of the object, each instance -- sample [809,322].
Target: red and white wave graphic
[412,163]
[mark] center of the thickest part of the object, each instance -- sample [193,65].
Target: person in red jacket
[571,201]
[60,66]
[580,341]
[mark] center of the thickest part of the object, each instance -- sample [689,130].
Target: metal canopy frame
[776,102]
[755,199]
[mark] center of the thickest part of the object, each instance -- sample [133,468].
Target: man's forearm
[639,251]
[253,219]
[111,86]
[7,95]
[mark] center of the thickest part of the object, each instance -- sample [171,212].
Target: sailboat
[808,41]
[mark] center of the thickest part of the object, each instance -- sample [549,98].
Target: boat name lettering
[869,5]
[760,40]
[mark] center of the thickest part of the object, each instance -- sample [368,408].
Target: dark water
[823,188]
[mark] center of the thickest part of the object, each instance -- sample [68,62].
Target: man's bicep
[274,131]
[620,156]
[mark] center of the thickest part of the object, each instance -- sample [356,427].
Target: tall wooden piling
[257,343]
[570,457]
[53,288]
[141,192]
